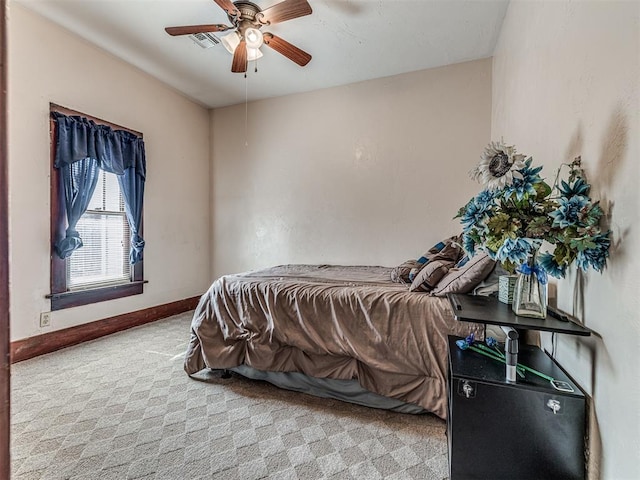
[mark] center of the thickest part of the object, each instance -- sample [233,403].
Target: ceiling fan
[246,39]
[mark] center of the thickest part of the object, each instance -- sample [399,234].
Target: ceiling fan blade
[283,11]
[290,51]
[239,64]
[190,29]
[228,7]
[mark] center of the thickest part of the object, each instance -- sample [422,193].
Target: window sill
[60,301]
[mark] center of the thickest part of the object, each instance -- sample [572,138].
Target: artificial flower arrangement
[518,210]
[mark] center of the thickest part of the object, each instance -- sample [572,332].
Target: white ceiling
[350,41]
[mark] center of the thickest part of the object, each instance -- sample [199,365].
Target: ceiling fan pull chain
[246,110]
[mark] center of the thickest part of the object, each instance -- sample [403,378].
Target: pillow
[437,248]
[465,279]
[490,285]
[430,275]
[415,271]
[431,252]
[452,252]
[447,249]
[400,274]
[461,263]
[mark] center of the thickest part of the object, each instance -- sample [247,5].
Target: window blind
[104,256]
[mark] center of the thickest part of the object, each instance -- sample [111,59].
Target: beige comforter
[329,322]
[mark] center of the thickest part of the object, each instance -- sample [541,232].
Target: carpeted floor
[122,407]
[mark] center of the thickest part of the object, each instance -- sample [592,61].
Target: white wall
[565,83]
[49,64]
[369,173]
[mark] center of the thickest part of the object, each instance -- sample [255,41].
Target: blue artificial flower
[579,187]
[521,186]
[472,216]
[466,343]
[491,254]
[516,250]
[485,198]
[568,212]
[469,244]
[477,210]
[494,347]
[595,257]
[548,262]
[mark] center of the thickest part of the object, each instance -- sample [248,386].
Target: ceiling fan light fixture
[253,54]
[231,41]
[253,37]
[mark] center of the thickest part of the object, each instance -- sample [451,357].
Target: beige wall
[369,173]
[565,83]
[49,64]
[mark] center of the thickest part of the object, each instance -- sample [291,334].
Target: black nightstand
[503,430]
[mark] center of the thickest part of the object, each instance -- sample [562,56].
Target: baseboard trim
[50,342]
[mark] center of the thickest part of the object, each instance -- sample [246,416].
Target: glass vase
[530,292]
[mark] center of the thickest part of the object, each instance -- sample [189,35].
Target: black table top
[481,309]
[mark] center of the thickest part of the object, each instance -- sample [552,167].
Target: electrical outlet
[45,319]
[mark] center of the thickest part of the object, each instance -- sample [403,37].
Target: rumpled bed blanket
[343,322]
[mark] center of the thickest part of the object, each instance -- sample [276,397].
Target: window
[104,258]
[100,270]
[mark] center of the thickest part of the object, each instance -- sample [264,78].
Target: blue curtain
[82,148]
[78,181]
[132,187]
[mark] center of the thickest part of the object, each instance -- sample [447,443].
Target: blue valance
[82,148]
[115,150]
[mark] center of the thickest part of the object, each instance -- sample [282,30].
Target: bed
[346,329]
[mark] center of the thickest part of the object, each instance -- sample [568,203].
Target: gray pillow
[400,274]
[452,251]
[490,285]
[447,249]
[466,278]
[439,247]
[430,275]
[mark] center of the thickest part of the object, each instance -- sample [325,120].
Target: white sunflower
[499,165]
